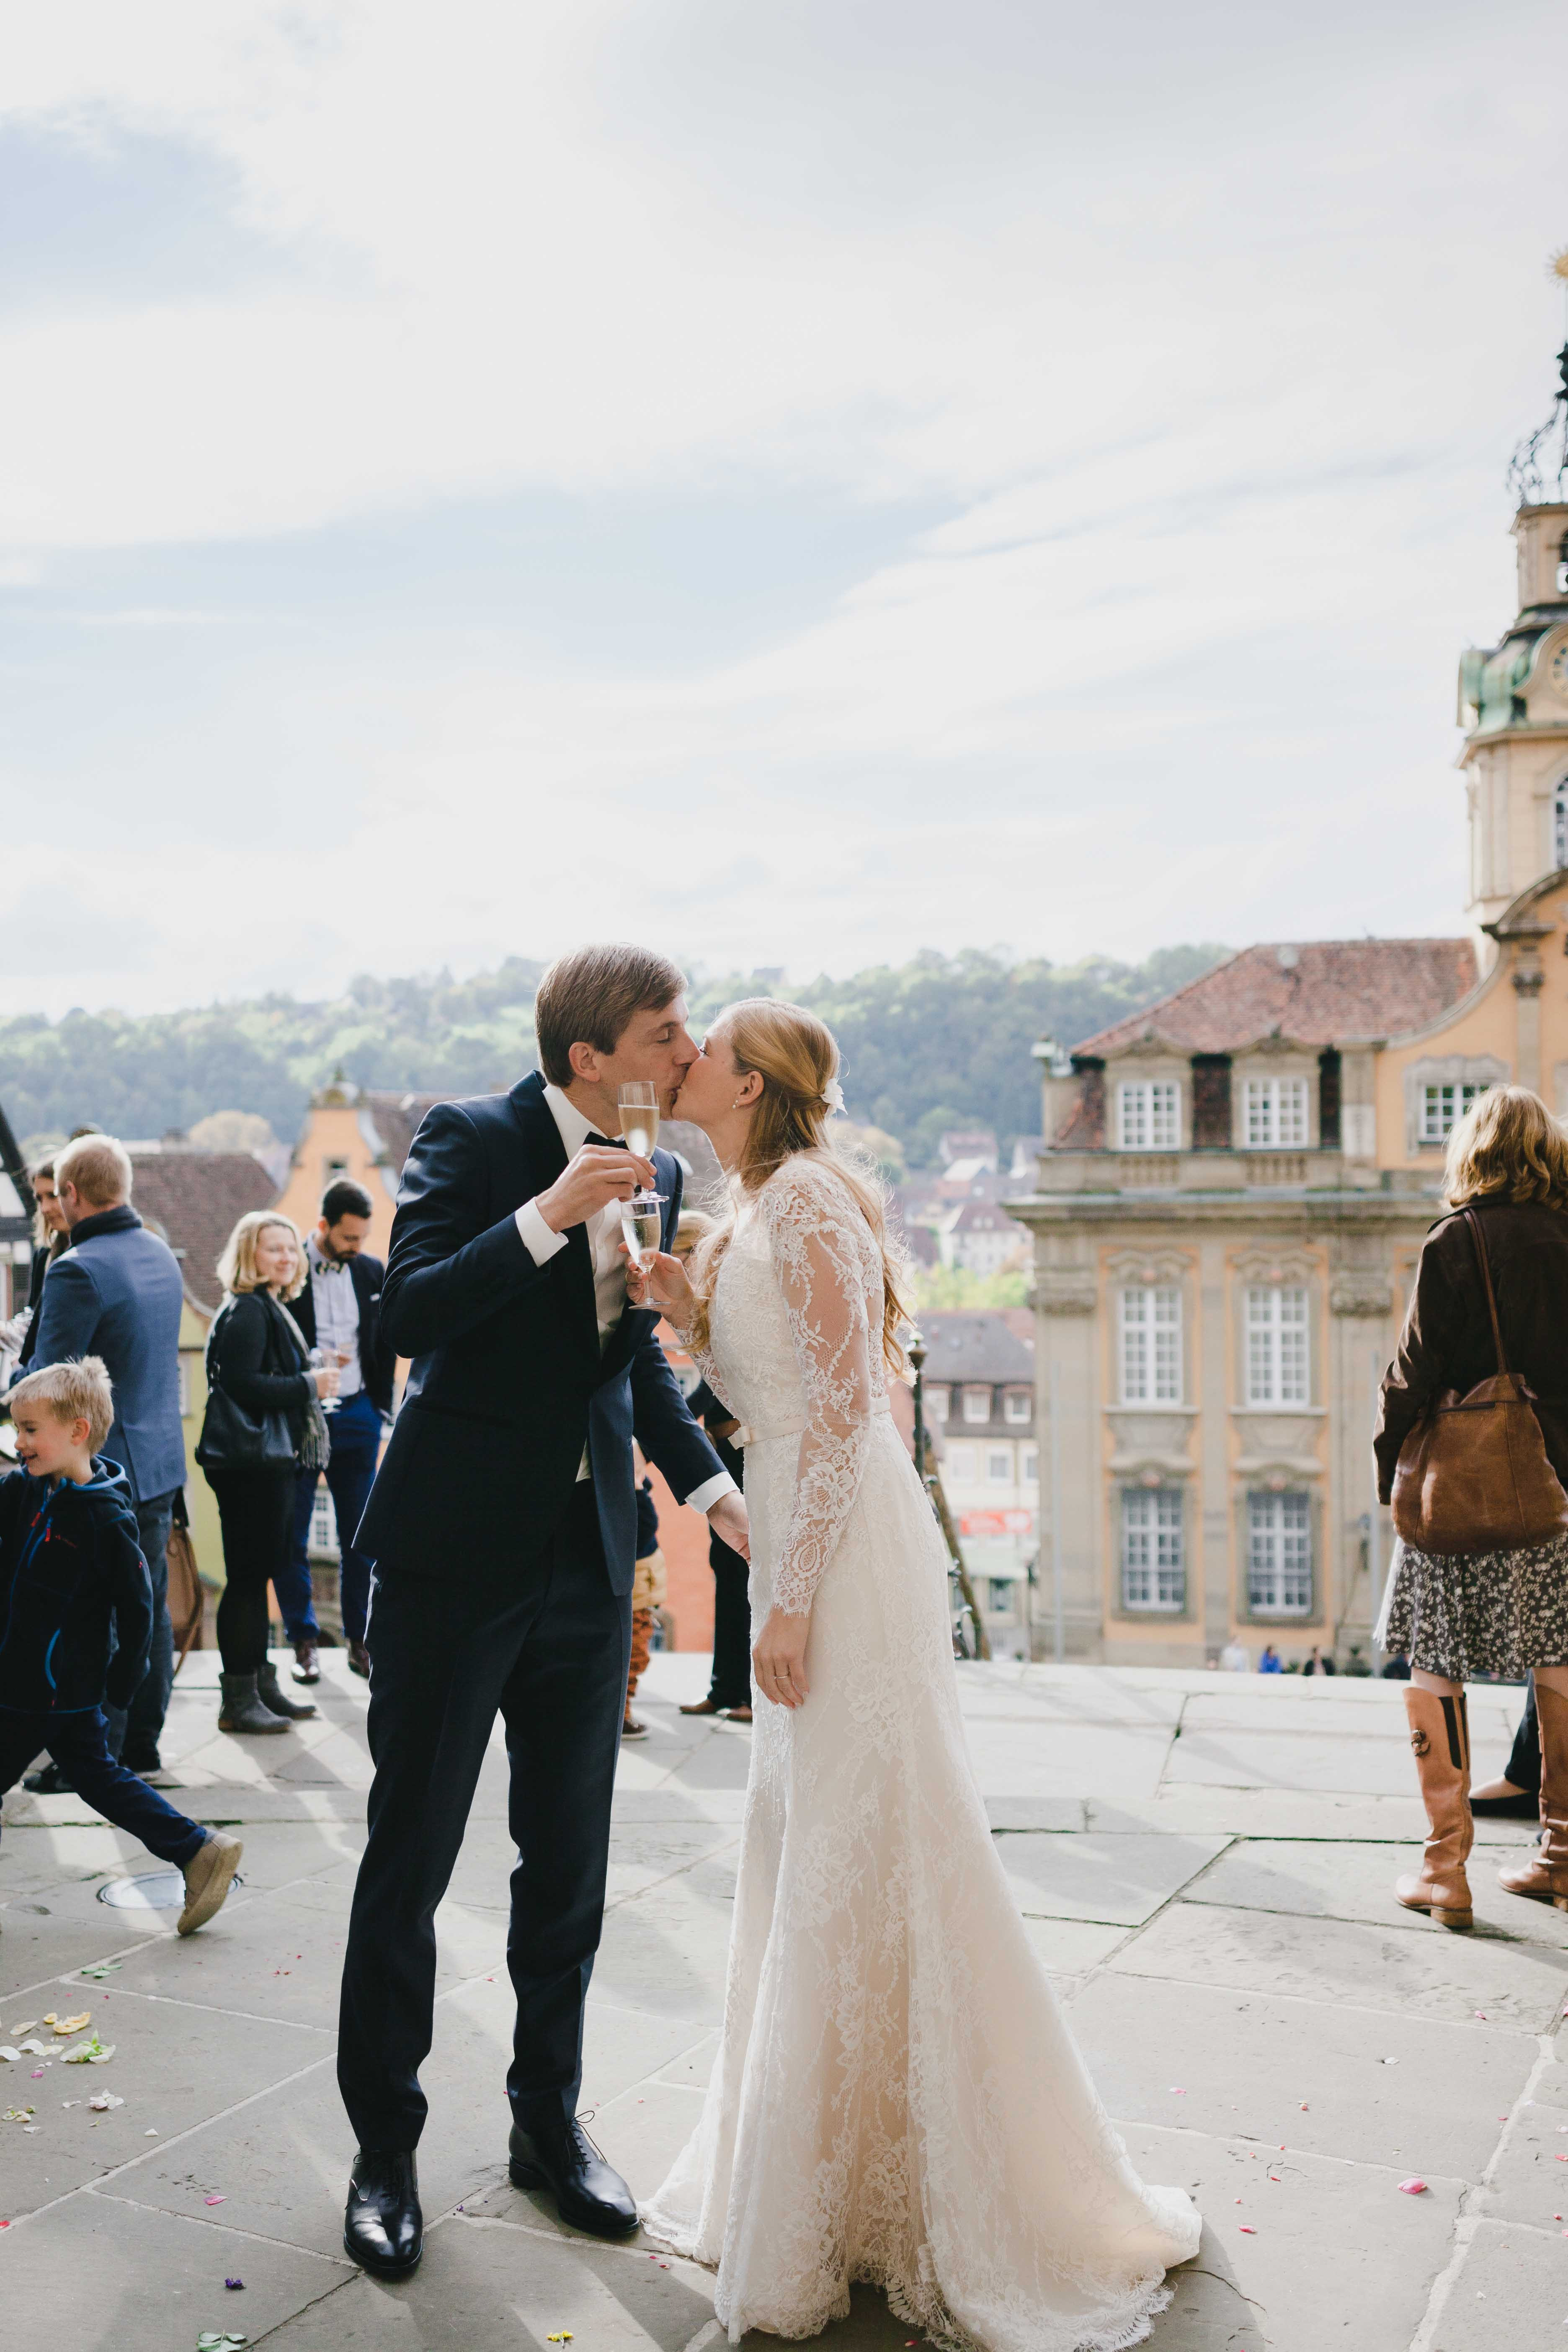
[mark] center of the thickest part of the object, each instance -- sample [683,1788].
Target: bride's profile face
[708,1087]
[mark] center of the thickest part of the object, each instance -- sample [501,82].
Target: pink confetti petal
[1246,2229]
[216,2201]
[1413,2188]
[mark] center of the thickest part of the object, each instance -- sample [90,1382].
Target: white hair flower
[833,1095]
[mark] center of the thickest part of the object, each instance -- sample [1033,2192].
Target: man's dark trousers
[355,1430]
[550,1651]
[133,1732]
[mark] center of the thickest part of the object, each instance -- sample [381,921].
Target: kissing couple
[897,2099]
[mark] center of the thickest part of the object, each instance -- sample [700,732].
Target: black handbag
[232,1437]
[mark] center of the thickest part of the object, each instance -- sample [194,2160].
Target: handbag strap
[1474,1224]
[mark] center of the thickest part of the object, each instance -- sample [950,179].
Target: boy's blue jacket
[72,1578]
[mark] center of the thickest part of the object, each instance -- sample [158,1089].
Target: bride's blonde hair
[796,1057]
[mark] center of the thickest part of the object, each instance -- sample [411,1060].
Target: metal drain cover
[155,1890]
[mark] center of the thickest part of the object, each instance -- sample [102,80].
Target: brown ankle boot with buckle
[1440,1737]
[1544,1877]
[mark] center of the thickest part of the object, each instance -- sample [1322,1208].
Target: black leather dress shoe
[49,1781]
[384,2230]
[555,2152]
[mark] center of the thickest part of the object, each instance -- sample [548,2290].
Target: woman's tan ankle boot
[1440,1737]
[1545,1876]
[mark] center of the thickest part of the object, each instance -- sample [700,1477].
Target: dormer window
[1559,824]
[1149,1115]
[1276,1114]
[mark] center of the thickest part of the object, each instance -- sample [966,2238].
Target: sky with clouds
[793,484]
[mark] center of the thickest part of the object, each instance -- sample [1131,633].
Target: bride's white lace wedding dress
[897,2098]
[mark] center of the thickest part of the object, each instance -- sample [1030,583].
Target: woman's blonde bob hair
[236,1267]
[1508,1147]
[796,1057]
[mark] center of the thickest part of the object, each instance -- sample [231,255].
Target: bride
[897,2098]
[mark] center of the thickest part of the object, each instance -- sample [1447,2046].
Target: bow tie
[611,1142]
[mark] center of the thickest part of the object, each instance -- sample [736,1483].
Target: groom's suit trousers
[548,1653]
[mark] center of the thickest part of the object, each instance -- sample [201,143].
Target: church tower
[1513,698]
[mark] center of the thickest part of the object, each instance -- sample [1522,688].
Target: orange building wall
[333,1134]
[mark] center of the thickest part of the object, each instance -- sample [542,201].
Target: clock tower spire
[1513,697]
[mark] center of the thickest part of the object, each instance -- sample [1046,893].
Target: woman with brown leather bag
[1472,1449]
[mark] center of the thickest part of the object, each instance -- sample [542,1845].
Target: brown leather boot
[1440,1737]
[1544,1877]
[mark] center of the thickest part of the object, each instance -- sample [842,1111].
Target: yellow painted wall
[333,1134]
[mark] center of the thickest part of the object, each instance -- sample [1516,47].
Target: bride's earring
[737,1104]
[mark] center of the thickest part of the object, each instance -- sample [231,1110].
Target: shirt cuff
[537,1238]
[703,1497]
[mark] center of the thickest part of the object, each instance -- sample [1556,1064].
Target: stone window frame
[1163,1270]
[1282,1484]
[1017,1397]
[1288,1267]
[1443,1070]
[1153,1485]
[973,1392]
[1275,1061]
[1148,1066]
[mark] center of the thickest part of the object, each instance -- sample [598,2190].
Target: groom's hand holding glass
[596,1175]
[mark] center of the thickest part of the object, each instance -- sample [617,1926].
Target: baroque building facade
[1231,1194]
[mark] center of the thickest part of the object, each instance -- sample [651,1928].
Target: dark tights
[256,1509]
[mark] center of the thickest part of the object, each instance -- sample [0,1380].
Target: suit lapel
[545,1159]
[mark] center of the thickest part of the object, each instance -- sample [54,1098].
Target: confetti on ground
[234,2282]
[16,2115]
[104,2101]
[1413,2188]
[1482,2015]
[90,2052]
[1246,2229]
[26,2024]
[151,2132]
[100,1970]
[67,2024]
[213,2339]
[214,2201]
[10,2055]
[561,2335]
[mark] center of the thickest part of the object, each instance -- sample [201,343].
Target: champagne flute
[641,1225]
[638,1103]
[321,1361]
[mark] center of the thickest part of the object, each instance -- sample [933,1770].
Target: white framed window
[1443,1106]
[1280,1555]
[1000,1603]
[1151,1319]
[936,1402]
[960,1463]
[1029,1470]
[1149,1115]
[1277,1345]
[999,1468]
[1276,1114]
[185,1388]
[324,1534]
[1153,1562]
[1018,1405]
[976,1404]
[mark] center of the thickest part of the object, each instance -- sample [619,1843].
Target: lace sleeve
[816,1235]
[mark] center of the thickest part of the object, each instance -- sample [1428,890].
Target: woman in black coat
[1457,1615]
[255,1354]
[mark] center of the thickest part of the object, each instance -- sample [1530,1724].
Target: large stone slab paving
[667,1951]
[99,2274]
[1324,1879]
[1509,2292]
[1338,2256]
[173,2067]
[1527,2181]
[1123,1880]
[1194,1810]
[1069,1948]
[1314,2079]
[1397,1969]
[1052,1759]
[1291,1760]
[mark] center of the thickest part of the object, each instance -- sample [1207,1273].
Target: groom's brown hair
[588,998]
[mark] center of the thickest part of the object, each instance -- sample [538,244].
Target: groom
[502,1527]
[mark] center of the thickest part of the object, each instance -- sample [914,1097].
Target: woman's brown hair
[796,1057]
[1507,1146]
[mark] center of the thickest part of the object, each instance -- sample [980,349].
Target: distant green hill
[935,1043]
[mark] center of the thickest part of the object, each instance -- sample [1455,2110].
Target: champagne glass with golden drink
[638,1103]
[640,1225]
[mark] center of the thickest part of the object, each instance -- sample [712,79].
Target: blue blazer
[507,1383]
[116,1293]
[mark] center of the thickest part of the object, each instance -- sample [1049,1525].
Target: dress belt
[743,1434]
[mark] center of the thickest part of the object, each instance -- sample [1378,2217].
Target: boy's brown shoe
[208,1876]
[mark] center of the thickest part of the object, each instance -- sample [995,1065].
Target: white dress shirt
[604,1230]
[336,1303]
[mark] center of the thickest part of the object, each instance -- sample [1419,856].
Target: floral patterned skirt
[1463,1613]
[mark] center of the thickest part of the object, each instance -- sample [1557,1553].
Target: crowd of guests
[299,1387]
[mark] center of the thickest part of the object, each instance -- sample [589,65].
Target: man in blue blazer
[502,1525]
[116,1293]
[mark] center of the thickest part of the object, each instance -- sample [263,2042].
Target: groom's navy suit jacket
[507,1383]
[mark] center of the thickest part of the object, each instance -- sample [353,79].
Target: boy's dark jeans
[78,1745]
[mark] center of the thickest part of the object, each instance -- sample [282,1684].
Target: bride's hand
[660,1282]
[779,1658]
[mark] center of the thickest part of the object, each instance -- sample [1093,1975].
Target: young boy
[71,1564]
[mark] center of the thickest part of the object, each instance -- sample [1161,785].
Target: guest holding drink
[263,1424]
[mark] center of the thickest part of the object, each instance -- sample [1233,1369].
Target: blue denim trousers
[356,1442]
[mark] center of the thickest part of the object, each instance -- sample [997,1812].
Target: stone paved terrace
[1204,1863]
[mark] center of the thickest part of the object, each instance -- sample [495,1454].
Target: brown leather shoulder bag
[1473,1474]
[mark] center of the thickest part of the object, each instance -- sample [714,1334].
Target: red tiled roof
[1332,991]
[396,1121]
[194,1199]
